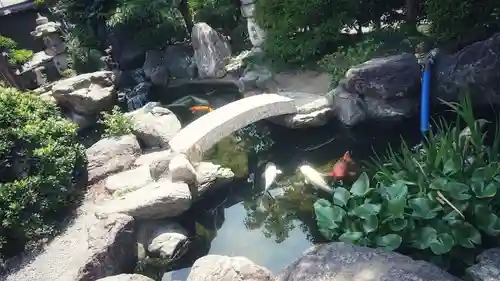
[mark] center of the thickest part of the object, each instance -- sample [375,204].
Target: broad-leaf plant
[436,198]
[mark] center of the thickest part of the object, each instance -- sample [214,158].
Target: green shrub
[150,25]
[39,160]
[82,59]
[374,44]
[116,123]
[301,30]
[7,44]
[439,199]
[20,57]
[458,23]
[15,56]
[224,16]
[344,58]
[219,14]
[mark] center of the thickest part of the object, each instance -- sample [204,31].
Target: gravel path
[62,257]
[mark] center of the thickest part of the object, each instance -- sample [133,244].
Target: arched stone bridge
[206,131]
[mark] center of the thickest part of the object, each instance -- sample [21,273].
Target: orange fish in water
[345,168]
[201,108]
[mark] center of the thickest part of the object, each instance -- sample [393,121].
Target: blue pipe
[425,97]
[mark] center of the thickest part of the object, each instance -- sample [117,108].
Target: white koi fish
[314,178]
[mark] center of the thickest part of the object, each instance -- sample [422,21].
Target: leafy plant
[40,159]
[20,57]
[7,44]
[15,56]
[68,73]
[116,123]
[438,198]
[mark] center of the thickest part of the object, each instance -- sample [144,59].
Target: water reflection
[237,221]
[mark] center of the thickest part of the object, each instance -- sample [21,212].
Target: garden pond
[236,221]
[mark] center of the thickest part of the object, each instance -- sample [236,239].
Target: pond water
[235,222]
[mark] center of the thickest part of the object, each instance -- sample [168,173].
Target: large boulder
[387,88]
[488,267]
[475,68]
[211,51]
[159,164]
[341,261]
[211,176]
[385,78]
[175,62]
[155,69]
[111,155]
[86,95]
[111,247]
[126,277]
[154,125]
[222,268]
[151,156]
[129,180]
[87,250]
[166,239]
[180,169]
[160,199]
[378,89]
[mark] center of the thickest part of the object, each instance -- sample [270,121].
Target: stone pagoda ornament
[256,34]
[50,33]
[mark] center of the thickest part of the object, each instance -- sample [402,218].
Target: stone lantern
[256,34]
[50,33]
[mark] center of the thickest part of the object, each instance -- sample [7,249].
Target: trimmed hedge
[40,157]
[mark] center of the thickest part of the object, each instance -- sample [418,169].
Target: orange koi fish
[344,168]
[201,108]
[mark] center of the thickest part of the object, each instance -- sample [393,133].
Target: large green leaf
[366,210]
[439,184]
[485,173]
[326,210]
[397,190]
[396,207]
[465,234]
[423,237]
[458,190]
[361,186]
[351,237]
[486,220]
[422,208]
[442,244]
[327,217]
[390,242]
[497,178]
[452,165]
[341,196]
[484,191]
[370,224]
[397,224]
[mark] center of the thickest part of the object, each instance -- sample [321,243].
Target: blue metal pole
[425,98]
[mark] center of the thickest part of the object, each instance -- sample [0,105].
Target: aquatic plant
[439,198]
